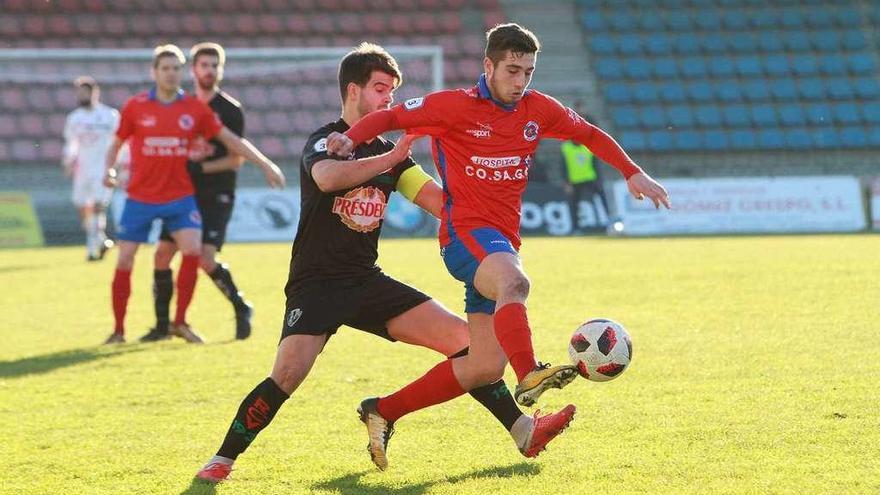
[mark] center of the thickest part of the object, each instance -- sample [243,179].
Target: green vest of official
[578,162]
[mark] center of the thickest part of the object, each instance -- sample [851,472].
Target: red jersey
[159,137]
[483,149]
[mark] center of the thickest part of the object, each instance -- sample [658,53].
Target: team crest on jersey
[361,209]
[530,131]
[413,103]
[186,122]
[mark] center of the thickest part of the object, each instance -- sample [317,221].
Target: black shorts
[365,303]
[216,210]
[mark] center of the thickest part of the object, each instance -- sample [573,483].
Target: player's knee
[488,371]
[287,378]
[518,287]
[207,262]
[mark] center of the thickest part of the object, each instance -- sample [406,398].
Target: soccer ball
[601,350]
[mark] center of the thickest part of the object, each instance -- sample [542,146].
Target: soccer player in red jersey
[161,126]
[483,141]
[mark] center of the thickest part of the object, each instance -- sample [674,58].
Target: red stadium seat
[253,123]
[50,149]
[5,154]
[271,145]
[352,23]
[193,24]
[270,24]
[246,24]
[450,23]
[493,18]
[322,23]
[55,124]
[296,24]
[10,27]
[374,23]
[24,150]
[141,25]
[425,24]
[168,24]
[35,25]
[60,25]
[277,123]
[400,24]
[31,126]
[8,126]
[12,98]
[282,96]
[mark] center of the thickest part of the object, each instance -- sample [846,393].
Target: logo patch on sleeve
[413,103]
[321,145]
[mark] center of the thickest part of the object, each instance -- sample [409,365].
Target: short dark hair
[513,37]
[358,65]
[168,50]
[207,48]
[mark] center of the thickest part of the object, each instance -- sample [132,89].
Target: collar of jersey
[152,95]
[483,89]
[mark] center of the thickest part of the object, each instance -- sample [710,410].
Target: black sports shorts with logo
[216,211]
[365,303]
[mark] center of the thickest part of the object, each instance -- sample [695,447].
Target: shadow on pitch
[200,487]
[36,365]
[351,484]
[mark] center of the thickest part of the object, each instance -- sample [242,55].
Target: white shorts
[89,191]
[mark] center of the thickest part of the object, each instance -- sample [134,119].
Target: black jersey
[338,233]
[229,112]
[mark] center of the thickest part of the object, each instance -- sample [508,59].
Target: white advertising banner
[747,205]
[264,215]
[875,202]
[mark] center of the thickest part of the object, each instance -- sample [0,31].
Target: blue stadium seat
[708,20]
[784,89]
[728,91]
[792,18]
[664,68]
[811,89]
[840,89]
[593,21]
[708,115]
[770,41]
[622,21]
[645,92]
[715,140]
[653,117]
[743,139]
[633,140]
[688,140]
[867,88]
[771,138]
[826,137]
[748,66]
[658,43]
[609,68]
[693,67]
[819,114]
[777,65]
[713,44]
[832,65]
[681,116]
[735,20]
[679,20]
[871,111]
[847,17]
[756,90]
[686,43]
[764,115]
[792,115]
[743,43]
[700,91]
[826,40]
[804,65]
[854,40]
[874,137]
[618,93]
[625,116]
[861,63]
[637,68]
[602,45]
[798,138]
[795,41]
[650,23]
[847,113]
[765,18]
[660,140]
[629,44]
[819,18]
[736,116]
[853,137]
[672,92]
[721,67]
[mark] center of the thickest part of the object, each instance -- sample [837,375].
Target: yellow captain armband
[411,181]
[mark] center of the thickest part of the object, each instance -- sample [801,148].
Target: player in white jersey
[88,132]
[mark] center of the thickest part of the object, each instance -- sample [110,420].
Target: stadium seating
[280,111]
[712,75]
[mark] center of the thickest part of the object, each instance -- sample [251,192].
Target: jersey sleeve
[235,121]
[126,121]
[431,115]
[209,124]
[561,122]
[315,150]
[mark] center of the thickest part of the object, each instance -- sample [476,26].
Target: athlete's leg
[163,284]
[189,242]
[121,287]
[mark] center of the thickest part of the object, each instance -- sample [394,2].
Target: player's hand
[110,177]
[641,185]
[339,144]
[274,176]
[403,148]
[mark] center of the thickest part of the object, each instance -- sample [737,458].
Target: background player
[213,177]
[334,279]
[88,132]
[484,175]
[161,125]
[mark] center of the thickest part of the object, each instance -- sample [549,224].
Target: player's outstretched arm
[244,148]
[110,162]
[642,185]
[421,189]
[229,162]
[335,175]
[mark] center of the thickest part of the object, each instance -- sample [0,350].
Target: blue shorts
[137,217]
[463,255]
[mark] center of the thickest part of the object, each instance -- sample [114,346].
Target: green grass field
[756,370]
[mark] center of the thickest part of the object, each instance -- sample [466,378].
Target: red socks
[513,333]
[436,386]
[121,289]
[186,285]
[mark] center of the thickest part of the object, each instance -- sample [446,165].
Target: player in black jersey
[213,171]
[334,279]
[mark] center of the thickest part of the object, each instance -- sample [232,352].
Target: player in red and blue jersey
[161,126]
[483,141]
